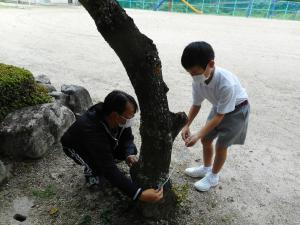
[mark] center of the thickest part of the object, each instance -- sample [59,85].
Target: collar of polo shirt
[210,80]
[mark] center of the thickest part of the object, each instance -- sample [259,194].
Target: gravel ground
[260,180]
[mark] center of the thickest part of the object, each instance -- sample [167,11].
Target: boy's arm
[210,125]
[194,110]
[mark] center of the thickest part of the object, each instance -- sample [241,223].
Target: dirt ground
[260,180]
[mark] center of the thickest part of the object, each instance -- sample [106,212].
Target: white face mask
[129,123]
[199,78]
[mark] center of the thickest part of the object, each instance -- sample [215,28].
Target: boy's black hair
[116,102]
[197,53]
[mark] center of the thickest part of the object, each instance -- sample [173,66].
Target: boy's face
[198,70]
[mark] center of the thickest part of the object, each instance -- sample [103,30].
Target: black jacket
[92,139]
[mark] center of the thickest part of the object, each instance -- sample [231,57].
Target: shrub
[18,89]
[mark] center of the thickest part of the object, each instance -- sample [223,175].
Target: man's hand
[131,160]
[152,195]
[185,133]
[192,140]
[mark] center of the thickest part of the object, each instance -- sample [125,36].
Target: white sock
[207,168]
[214,175]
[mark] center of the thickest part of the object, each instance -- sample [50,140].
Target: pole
[286,9]
[218,7]
[268,13]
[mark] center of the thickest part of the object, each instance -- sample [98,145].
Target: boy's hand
[192,140]
[185,133]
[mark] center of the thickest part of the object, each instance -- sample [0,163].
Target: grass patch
[48,192]
[106,217]
[181,192]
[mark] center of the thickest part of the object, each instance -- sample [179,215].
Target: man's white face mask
[128,123]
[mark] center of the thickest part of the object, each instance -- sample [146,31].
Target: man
[102,135]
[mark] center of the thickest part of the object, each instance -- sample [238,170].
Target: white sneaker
[197,171]
[210,180]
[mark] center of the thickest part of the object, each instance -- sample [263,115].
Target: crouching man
[103,135]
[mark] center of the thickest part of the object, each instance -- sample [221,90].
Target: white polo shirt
[224,91]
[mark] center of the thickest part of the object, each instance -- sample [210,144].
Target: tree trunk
[159,126]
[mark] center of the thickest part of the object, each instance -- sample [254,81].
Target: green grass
[48,192]
[105,217]
[181,192]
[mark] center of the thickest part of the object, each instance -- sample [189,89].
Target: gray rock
[48,87]
[59,96]
[79,99]
[42,79]
[3,172]
[32,131]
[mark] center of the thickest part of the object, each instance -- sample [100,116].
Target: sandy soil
[260,181]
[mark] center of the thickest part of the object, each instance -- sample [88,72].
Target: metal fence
[249,8]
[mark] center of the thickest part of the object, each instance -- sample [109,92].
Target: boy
[228,119]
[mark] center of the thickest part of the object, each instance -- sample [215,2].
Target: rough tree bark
[159,126]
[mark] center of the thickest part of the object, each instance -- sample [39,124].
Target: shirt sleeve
[226,103]
[102,162]
[197,98]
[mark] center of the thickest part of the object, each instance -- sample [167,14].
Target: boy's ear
[211,63]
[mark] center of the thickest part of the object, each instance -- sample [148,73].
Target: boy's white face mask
[199,78]
[129,123]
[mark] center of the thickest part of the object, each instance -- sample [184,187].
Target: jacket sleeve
[127,142]
[101,160]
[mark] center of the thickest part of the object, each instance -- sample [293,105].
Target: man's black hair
[116,102]
[197,53]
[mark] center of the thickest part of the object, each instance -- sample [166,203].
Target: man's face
[127,114]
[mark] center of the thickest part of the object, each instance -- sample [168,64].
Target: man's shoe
[210,180]
[197,171]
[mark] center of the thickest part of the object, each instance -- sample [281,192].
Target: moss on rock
[18,89]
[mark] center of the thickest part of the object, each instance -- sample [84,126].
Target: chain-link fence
[249,8]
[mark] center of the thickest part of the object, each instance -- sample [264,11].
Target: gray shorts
[233,128]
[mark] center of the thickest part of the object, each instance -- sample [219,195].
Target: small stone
[268,190]
[220,187]
[42,79]
[197,160]
[262,205]
[54,176]
[233,179]
[230,199]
